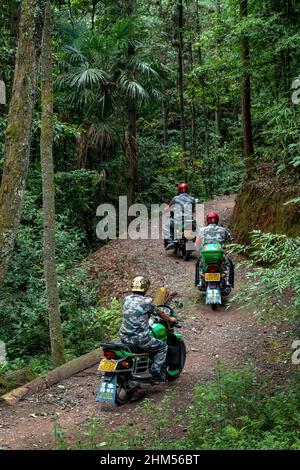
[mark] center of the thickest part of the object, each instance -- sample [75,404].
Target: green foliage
[274,286]
[110,319]
[36,365]
[24,317]
[77,196]
[238,410]
[163,418]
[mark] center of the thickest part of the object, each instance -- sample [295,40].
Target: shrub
[273,272]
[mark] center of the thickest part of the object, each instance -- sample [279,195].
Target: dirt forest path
[232,335]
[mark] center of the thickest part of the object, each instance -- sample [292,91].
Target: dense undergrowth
[273,275]
[240,409]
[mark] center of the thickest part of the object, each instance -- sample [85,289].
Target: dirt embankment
[260,204]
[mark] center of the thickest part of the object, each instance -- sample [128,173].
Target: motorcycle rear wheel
[122,395]
[187,255]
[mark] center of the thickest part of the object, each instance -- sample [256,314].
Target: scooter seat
[118,345]
[112,345]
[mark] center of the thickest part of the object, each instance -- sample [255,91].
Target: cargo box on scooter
[212,252]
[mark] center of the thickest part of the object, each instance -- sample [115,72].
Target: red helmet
[183,188]
[212,218]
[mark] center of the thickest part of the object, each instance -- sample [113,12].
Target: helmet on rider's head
[212,218]
[140,284]
[183,188]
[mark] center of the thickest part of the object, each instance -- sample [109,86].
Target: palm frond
[103,134]
[142,67]
[122,29]
[155,94]
[84,98]
[74,55]
[87,77]
[132,88]
[96,45]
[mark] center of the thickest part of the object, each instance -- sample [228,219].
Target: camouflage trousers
[158,349]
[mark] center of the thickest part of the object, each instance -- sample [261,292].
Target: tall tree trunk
[131,152]
[181,72]
[14,10]
[18,132]
[164,114]
[193,106]
[46,144]
[94,5]
[218,107]
[246,94]
[130,139]
[208,176]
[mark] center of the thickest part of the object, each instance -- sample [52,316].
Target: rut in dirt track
[232,335]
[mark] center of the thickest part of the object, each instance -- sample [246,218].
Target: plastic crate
[212,253]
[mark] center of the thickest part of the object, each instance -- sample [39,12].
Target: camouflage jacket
[183,205]
[136,313]
[214,233]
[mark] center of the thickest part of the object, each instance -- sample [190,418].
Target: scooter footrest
[145,376]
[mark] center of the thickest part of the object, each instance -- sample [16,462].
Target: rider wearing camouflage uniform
[182,206]
[214,233]
[135,330]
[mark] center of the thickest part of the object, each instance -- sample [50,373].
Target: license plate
[213,296]
[107,390]
[107,366]
[189,234]
[212,277]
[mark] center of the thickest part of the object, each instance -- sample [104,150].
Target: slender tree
[246,93]
[217,103]
[46,144]
[18,132]
[181,72]
[130,139]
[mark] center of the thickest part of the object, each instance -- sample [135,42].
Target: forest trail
[232,335]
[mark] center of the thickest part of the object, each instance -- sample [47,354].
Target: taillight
[109,354]
[213,269]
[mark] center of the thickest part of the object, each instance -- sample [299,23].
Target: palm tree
[105,81]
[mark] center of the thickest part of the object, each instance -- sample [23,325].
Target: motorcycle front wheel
[171,377]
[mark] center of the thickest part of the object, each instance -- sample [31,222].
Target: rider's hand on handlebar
[173,320]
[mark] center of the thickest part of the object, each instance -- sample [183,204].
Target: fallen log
[16,378]
[54,376]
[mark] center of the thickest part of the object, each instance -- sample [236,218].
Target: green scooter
[211,278]
[126,371]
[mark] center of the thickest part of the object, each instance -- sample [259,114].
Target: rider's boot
[169,245]
[157,377]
